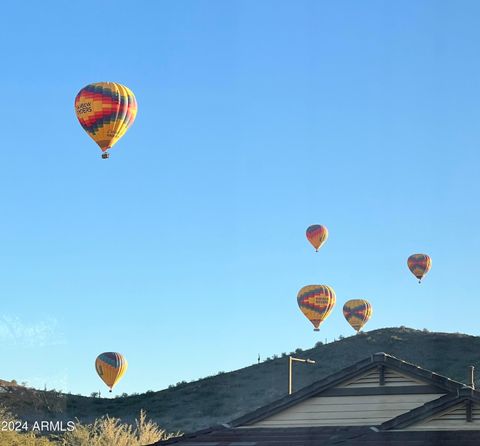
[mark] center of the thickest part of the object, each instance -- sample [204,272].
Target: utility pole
[291,359]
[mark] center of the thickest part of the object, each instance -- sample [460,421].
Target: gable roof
[238,432]
[433,383]
[323,436]
[432,408]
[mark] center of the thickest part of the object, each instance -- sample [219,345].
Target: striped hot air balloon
[357,312]
[419,265]
[105,110]
[316,303]
[317,235]
[111,367]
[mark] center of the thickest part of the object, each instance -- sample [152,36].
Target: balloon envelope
[317,235]
[357,312]
[111,367]
[316,303]
[419,265]
[105,110]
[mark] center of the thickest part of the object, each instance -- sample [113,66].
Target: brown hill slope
[226,396]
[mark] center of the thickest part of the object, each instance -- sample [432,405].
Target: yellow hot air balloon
[317,235]
[419,265]
[105,110]
[357,312]
[111,367]
[316,302]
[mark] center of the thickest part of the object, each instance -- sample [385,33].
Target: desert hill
[220,398]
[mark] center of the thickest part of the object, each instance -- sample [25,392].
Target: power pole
[291,359]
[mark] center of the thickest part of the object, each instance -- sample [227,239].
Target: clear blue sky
[186,249]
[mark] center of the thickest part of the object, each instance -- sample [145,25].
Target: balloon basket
[110,390]
[105,155]
[316,329]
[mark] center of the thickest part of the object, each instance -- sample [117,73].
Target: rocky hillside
[221,398]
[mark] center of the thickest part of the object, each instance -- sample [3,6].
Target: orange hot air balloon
[105,110]
[357,312]
[316,302]
[317,235]
[111,366]
[419,265]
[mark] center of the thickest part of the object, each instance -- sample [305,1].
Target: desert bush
[12,438]
[107,431]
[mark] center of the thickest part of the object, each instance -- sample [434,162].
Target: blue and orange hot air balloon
[105,110]
[357,312]
[316,302]
[419,265]
[111,366]
[317,235]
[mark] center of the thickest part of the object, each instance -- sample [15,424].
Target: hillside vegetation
[221,398]
[104,431]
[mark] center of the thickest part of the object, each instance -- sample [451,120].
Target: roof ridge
[432,378]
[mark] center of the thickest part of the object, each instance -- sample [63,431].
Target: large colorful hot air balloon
[111,367]
[357,312]
[316,303]
[105,110]
[419,265]
[317,235]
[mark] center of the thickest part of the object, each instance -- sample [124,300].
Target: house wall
[346,410]
[355,409]
[454,418]
[392,378]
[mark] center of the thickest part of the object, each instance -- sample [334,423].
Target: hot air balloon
[419,265]
[105,110]
[357,312]
[316,303]
[111,367]
[317,235]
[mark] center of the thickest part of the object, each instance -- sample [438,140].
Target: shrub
[12,438]
[108,431]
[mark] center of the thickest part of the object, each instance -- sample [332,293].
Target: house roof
[432,408]
[239,433]
[434,383]
[323,436]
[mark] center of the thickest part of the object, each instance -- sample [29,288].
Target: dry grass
[107,431]
[12,438]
